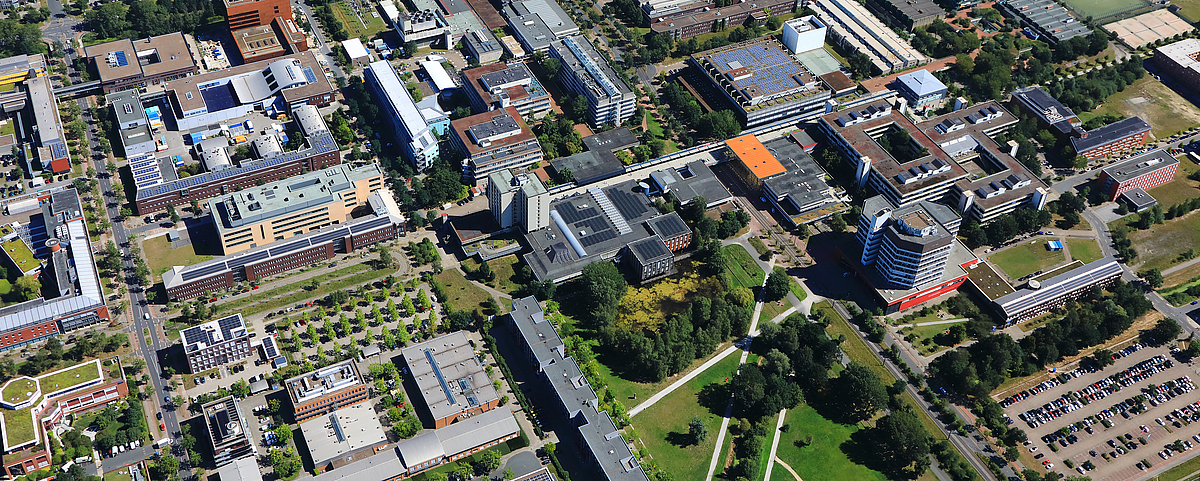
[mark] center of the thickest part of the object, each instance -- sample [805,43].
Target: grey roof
[245,469]
[1049,17]
[126,106]
[213,332]
[547,14]
[329,380]
[288,196]
[1047,108]
[612,140]
[669,226]
[1139,198]
[228,430]
[466,434]
[1140,165]
[1110,133]
[532,31]
[589,67]
[501,123]
[513,73]
[803,181]
[598,162]
[540,336]
[694,179]
[420,449]
[1058,286]
[450,377]
[370,350]
[920,82]
[649,250]
[917,9]
[347,430]
[380,467]
[259,386]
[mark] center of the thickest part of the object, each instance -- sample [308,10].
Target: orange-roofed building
[755,162]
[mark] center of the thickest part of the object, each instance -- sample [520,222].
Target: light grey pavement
[775,444]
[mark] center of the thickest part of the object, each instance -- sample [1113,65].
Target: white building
[804,34]
[417,125]
[519,200]
[356,51]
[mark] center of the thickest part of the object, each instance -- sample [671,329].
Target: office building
[536,23]
[132,123]
[856,29]
[950,158]
[907,14]
[596,226]
[244,469]
[483,46]
[126,64]
[803,34]
[451,378]
[318,152]
[216,343]
[1179,60]
[908,254]
[1112,139]
[287,208]
[518,200]
[1137,199]
[762,80]
[494,141]
[920,87]
[687,25]
[1038,297]
[254,13]
[1050,113]
[28,98]
[1145,172]
[690,181]
[326,390]
[264,42]
[501,85]
[784,174]
[424,27]
[59,243]
[1044,19]
[599,444]
[385,222]
[417,126]
[585,72]
[51,148]
[229,431]
[456,441]
[343,436]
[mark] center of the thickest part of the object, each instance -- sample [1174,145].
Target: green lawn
[69,377]
[9,127]
[744,270]
[325,288]
[162,257]
[631,393]
[122,474]
[464,295]
[18,426]
[1027,258]
[668,419]
[505,269]
[925,337]
[1188,9]
[824,459]
[758,245]
[263,294]
[798,291]
[350,21]
[1157,104]
[19,389]
[772,309]
[854,347]
[1084,250]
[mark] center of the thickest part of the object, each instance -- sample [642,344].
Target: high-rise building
[229,431]
[909,245]
[499,85]
[417,125]
[585,72]
[518,200]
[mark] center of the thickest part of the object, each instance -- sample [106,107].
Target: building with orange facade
[325,390]
[255,13]
[786,176]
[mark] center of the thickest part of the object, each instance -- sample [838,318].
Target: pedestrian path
[775,444]
[933,323]
[681,381]
[785,466]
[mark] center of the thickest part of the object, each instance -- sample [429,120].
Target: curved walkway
[788,468]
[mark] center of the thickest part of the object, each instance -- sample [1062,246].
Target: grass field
[162,257]
[122,474]
[1188,9]
[264,294]
[463,294]
[744,270]
[631,393]
[18,426]
[1159,248]
[354,27]
[772,309]
[1026,258]
[1180,189]
[824,459]
[854,347]
[69,377]
[19,389]
[504,268]
[925,334]
[667,420]
[1149,99]
[1085,250]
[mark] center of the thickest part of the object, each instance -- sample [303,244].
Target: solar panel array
[269,347]
[219,98]
[773,70]
[308,73]
[57,149]
[121,60]
[196,334]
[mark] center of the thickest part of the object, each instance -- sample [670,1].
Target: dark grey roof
[501,123]
[669,226]
[803,181]
[589,166]
[1051,18]
[1137,166]
[214,332]
[511,74]
[1110,133]
[694,179]
[649,250]
[1140,199]
[1047,108]
[917,9]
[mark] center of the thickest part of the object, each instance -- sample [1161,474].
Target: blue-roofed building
[920,87]
[417,125]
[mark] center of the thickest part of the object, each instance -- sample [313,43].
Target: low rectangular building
[686,24]
[907,14]
[792,182]
[692,180]
[343,436]
[451,379]
[216,343]
[1145,171]
[126,64]
[762,80]
[1044,19]
[1181,61]
[287,208]
[132,123]
[456,441]
[1049,111]
[1112,139]
[325,390]
[356,52]
[494,141]
[853,27]
[229,431]
[536,23]
[501,85]
[1039,297]
[920,87]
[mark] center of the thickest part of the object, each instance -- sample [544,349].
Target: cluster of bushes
[939,39]
[1124,246]
[1003,228]
[717,124]
[423,252]
[1083,93]
[748,449]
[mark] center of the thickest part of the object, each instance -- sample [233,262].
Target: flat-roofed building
[132,123]
[1120,136]
[216,343]
[356,52]
[494,141]
[921,87]
[343,436]
[125,64]
[264,42]
[281,210]
[803,34]
[1045,19]
[417,125]
[1049,111]
[585,72]
[797,186]
[1180,60]
[244,469]
[690,23]
[855,28]
[254,13]
[599,161]
[326,390]
[501,85]
[483,46]
[1145,171]
[762,80]
[1039,297]
[456,441]
[536,23]
[51,148]
[518,200]
[450,378]
[690,181]
[229,431]
[907,14]
[1137,199]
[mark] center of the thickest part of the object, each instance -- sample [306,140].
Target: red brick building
[1112,139]
[689,25]
[325,390]
[1146,171]
[254,13]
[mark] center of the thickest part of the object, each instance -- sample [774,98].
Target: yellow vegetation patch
[645,308]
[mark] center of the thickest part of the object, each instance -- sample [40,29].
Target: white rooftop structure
[342,432]
[354,49]
[438,75]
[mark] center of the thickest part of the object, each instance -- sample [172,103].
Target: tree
[696,430]
[605,287]
[1153,277]
[1165,330]
[240,389]
[861,391]
[284,433]
[836,223]
[777,286]
[28,288]
[171,212]
[490,460]
[285,462]
[902,443]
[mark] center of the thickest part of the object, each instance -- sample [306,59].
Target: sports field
[1103,8]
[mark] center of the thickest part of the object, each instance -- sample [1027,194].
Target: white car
[1033,449]
[1050,466]
[146,316]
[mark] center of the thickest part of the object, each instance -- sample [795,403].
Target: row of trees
[148,18]
[1083,93]
[1005,227]
[939,39]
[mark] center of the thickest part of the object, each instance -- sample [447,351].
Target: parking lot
[1072,416]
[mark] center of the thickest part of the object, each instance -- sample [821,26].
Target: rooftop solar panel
[371,224]
[331,235]
[204,271]
[285,249]
[575,215]
[627,203]
[308,74]
[247,259]
[121,59]
[598,237]
[219,98]
[269,348]
[193,335]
